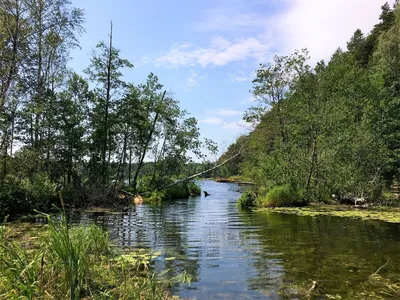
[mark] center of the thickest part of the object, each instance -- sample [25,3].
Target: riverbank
[234,179]
[383,213]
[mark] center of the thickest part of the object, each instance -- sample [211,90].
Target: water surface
[235,254]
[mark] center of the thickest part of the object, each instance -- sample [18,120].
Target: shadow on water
[234,254]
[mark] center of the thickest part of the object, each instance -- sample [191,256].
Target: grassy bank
[383,213]
[58,262]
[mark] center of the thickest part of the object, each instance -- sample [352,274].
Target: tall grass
[279,196]
[76,263]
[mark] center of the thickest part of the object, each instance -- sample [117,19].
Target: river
[235,254]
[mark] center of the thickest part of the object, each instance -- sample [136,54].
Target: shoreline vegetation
[57,261]
[381,213]
[326,133]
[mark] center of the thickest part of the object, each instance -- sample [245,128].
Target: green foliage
[22,195]
[331,129]
[178,191]
[247,199]
[193,188]
[278,196]
[88,136]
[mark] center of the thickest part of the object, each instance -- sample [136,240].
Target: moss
[387,214]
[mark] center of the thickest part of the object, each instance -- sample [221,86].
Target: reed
[76,263]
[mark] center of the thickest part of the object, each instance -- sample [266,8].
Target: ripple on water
[233,254]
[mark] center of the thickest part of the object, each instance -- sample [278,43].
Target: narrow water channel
[234,254]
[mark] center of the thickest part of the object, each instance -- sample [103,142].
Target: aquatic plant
[74,263]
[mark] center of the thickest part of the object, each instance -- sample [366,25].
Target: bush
[282,195]
[179,191]
[193,188]
[22,195]
[247,199]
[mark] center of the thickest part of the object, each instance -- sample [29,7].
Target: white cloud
[215,121]
[322,26]
[193,79]
[220,52]
[223,19]
[242,76]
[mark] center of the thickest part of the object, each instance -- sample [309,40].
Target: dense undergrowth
[22,196]
[277,196]
[178,191]
[76,263]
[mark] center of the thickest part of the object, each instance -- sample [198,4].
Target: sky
[206,51]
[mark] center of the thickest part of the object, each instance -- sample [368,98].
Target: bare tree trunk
[108,99]
[130,166]
[39,79]
[314,159]
[122,159]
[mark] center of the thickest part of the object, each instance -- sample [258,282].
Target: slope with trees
[332,128]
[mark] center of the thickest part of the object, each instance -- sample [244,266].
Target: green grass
[75,263]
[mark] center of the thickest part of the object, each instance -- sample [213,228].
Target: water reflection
[235,254]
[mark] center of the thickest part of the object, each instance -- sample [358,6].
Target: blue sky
[206,51]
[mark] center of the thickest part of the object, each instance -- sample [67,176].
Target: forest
[328,132]
[85,135]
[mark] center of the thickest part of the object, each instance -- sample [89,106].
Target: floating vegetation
[386,214]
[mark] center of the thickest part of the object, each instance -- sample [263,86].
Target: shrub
[21,195]
[282,195]
[247,199]
[179,191]
[193,188]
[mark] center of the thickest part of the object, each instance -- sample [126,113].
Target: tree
[105,71]
[72,127]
